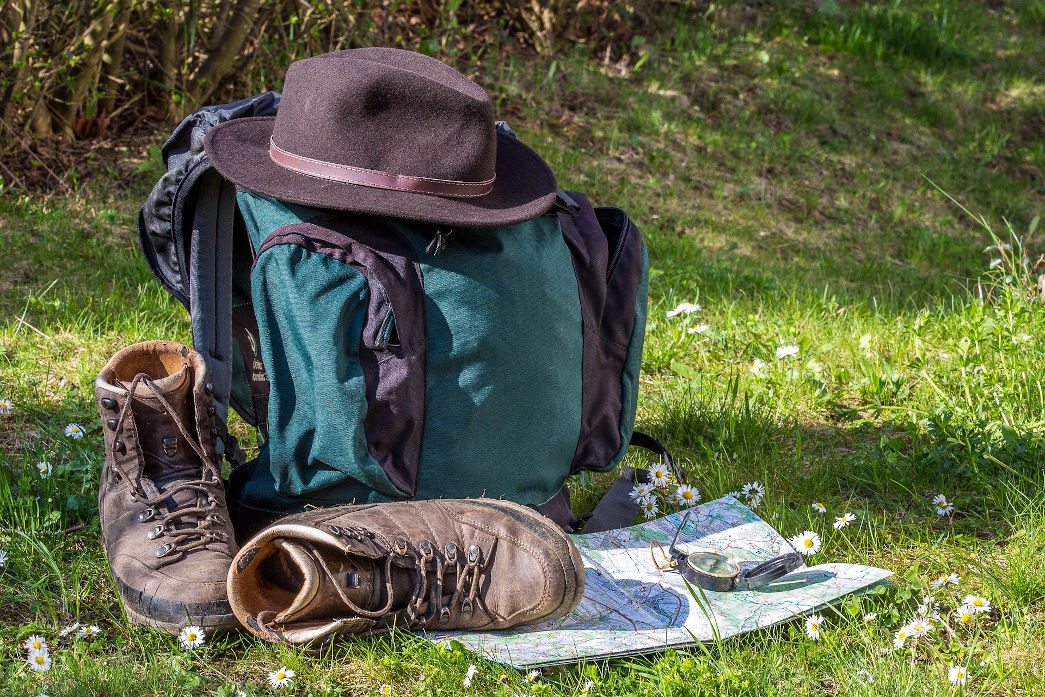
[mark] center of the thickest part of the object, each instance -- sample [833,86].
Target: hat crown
[387,110]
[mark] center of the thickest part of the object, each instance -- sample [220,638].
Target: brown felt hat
[389,132]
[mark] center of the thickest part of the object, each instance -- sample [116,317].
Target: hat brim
[524,188]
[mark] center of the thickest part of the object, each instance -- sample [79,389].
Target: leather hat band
[376,178]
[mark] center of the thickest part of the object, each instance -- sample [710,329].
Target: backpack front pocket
[343,324]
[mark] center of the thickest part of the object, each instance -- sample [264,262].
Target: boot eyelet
[211,411]
[473,555]
[444,614]
[451,552]
[132,498]
[119,447]
[111,424]
[110,403]
[401,546]
[155,532]
[147,514]
[426,549]
[208,389]
[466,609]
[164,550]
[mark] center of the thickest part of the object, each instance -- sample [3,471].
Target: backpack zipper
[619,249]
[438,243]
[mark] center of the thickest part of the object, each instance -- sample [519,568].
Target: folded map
[631,607]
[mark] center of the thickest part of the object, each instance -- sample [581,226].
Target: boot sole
[171,616]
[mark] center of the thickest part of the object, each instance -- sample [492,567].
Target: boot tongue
[166,455]
[167,458]
[327,579]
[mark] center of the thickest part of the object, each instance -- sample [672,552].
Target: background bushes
[83,68]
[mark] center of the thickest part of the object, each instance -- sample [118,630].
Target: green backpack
[382,359]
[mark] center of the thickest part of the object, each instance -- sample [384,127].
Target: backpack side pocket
[344,342]
[609,262]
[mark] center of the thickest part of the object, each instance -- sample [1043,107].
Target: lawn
[862,182]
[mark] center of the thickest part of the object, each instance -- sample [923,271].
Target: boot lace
[204,513]
[431,569]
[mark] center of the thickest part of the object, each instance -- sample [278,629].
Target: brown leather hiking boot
[476,564]
[161,504]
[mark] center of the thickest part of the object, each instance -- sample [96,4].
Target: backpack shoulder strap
[186,231]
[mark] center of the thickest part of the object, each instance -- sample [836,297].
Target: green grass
[781,164]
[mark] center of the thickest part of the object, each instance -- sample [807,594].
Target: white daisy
[469,675]
[819,507]
[699,329]
[949,579]
[754,493]
[901,636]
[687,495]
[281,677]
[965,614]
[642,491]
[929,607]
[44,468]
[870,617]
[785,351]
[753,490]
[69,630]
[734,495]
[758,368]
[920,626]
[90,632]
[192,636]
[844,520]
[40,661]
[74,431]
[649,508]
[36,643]
[6,407]
[588,687]
[3,558]
[533,675]
[683,309]
[659,475]
[978,603]
[813,623]
[866,675]
[384,690]
[957,675]
[808,543]
[942,505]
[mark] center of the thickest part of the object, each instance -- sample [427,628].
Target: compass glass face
[712,564]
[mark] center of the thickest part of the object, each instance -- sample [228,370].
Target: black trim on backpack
[393,351]
[599,241]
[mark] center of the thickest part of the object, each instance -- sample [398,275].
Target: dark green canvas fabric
[503,386]
[504,373]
